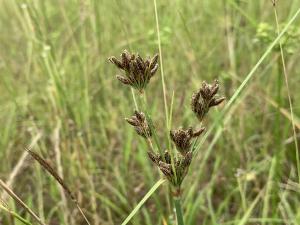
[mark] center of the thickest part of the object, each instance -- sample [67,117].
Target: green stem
[178,211]
[143,100]
[134,99]
[21,219]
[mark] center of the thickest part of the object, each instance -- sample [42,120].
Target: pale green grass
[54,70]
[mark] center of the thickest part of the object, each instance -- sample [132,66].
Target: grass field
[60,98]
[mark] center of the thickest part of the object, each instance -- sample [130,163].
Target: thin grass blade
[144,199]
[15,215]
[247,79]
[247,215]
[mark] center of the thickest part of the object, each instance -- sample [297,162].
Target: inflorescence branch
[138,73]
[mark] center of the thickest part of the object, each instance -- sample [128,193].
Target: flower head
[138,71]
[205,98]
[175,174]
[182,138]
[140,124]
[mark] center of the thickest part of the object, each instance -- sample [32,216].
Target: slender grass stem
[289,94]
[12,213]
[82,214]
[149,140]
[161,64]
[238,91]
[143,100]
[134,99]
[178,210]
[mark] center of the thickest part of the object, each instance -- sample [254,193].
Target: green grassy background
[59,95]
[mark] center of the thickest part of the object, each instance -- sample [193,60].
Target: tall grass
[54,71]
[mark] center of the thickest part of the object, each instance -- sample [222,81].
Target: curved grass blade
[14,214]
[246,80]
[263,57]
[247,215]
[144,199]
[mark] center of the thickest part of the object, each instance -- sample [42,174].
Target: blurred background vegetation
[59,96]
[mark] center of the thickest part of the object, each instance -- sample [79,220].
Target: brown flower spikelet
[205,98]
[181,166]
[140,124]
[182,138]
[138,71]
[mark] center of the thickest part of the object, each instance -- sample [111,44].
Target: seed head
[155,158]
[186,162]
[140,124]
[138,71]
[167,157]
[175,174]
[205,98]
[182,138]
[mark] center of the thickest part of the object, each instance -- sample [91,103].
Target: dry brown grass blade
[18,200]
[3,202]
[55,175]
[19,165]
[52,172]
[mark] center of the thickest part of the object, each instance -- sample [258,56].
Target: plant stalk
[178,210]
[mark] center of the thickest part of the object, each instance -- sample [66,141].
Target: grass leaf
[144,199]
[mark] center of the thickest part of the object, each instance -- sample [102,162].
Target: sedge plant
[173,163]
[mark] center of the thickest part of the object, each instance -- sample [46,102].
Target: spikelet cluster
[182,138]
[175,167]
[174,173]
[140,124]
[205,98]
[137,71]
